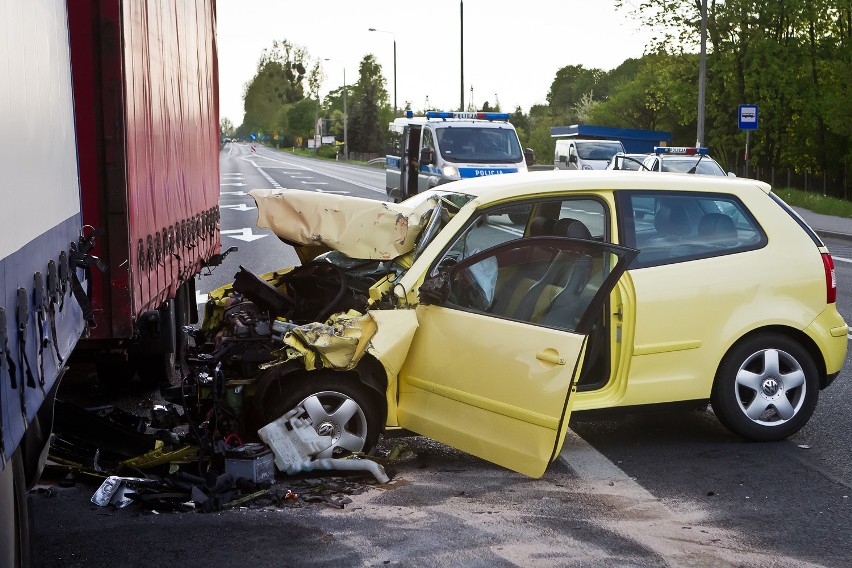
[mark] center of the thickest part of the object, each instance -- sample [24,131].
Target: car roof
[498,188]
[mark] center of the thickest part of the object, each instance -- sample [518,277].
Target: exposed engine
[245,329]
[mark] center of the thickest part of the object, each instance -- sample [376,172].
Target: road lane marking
[653,524]
[240,207]
[268,177]
[349,181]
[594,468]
[841,259]
[242,234]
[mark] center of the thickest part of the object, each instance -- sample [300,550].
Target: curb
[834,235]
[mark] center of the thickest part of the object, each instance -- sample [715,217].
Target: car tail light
[830,279]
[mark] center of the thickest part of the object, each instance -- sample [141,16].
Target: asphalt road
[654,489]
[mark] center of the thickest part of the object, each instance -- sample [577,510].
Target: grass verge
[816,202]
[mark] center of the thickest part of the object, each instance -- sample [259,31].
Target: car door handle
[550,356]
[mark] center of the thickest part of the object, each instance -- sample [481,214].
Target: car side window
[672,227]
[580,218]
[426,141]
[547,282]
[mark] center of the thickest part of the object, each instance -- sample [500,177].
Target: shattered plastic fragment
[294,442]
[114,490]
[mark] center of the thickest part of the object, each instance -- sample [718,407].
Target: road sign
[748,117]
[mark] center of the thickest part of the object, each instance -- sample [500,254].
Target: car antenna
[695,167]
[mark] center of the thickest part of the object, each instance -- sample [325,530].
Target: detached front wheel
[766,388]
[339,406]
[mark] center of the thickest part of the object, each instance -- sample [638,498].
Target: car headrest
[672,220]
[572,228]
[718,227]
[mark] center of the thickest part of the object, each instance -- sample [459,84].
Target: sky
[512,49]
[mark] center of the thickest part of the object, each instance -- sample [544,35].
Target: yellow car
[445,316]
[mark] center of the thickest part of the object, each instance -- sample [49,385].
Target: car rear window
[670,227]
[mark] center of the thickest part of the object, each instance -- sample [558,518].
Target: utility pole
[702,75]
[461,58]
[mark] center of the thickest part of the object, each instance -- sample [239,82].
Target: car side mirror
[426,156]
[572,158]
[732,175]
[435,289]
[529,156]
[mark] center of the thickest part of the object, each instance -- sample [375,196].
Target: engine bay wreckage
[327,337]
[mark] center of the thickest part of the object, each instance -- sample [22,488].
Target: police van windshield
[479,145]
[601,150]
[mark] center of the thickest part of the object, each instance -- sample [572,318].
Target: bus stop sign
[748,117]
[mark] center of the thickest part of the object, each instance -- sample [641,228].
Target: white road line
[268,177]
[315,182]
[594,468]
[653,524]
[365,186]
[841,259]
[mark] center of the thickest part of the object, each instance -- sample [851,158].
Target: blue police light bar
[409,113]
[680,150]
[469,115]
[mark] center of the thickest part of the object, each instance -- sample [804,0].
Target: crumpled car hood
[357,227]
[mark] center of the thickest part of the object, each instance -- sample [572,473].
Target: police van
[447,146]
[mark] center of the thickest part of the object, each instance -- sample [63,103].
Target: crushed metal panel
[357,227]
[340,342]
[389,345]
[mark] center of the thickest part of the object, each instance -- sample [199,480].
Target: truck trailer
[110,172]
[146,107]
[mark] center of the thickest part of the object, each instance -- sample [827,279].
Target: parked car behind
[442,316]
[684,161]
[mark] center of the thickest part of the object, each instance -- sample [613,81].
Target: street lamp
[394,65]
[345,115]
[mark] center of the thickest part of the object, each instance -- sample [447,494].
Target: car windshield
[479,145]
[602,150]
[630,162]
[705,167]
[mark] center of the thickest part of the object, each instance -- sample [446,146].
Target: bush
[327,151]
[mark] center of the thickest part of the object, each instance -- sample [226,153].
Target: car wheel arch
[795,334]
[368,372]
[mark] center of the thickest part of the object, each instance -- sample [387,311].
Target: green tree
[791,58]
[278,82]
[540,121]
[569,87]
[370,111]
[226,128]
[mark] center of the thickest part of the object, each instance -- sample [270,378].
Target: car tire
[339,406]
[518,218]
[766,388]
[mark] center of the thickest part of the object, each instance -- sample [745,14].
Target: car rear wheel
[766,388]
[339,406]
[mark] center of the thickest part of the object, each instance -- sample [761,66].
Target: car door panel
[492,398]
[489,384]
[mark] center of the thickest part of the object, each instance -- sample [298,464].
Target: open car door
[500,342]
